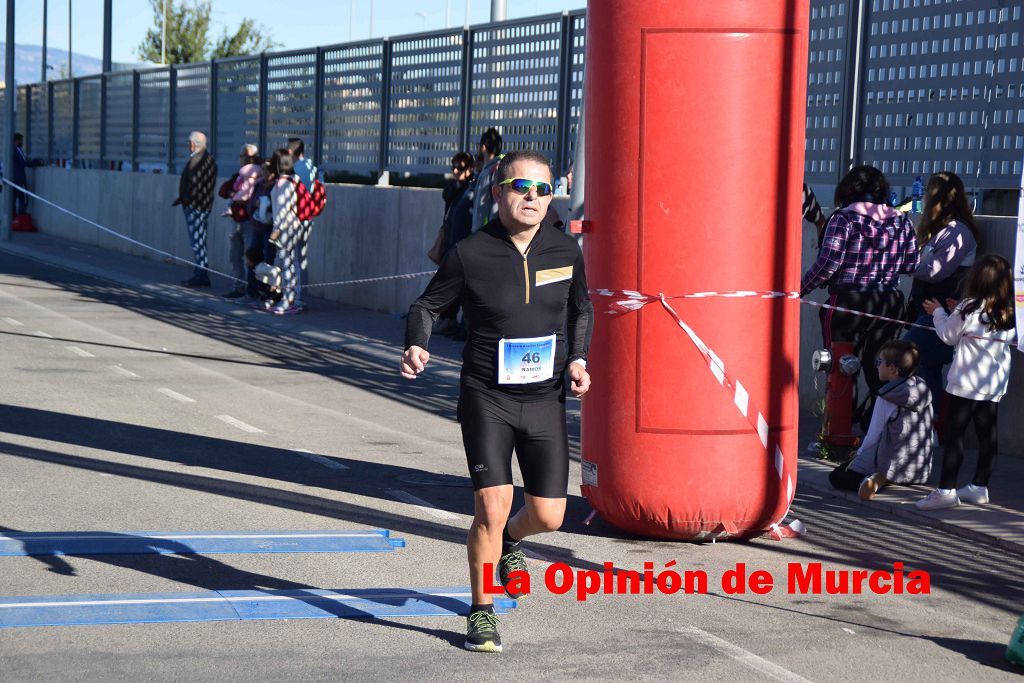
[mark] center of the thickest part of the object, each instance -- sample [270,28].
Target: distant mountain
[28,62]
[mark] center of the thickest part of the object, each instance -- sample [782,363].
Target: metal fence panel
[5,138]
[238,106]
[290,98]
[191,107]
[154,87]
[943,90]
[825,99]
[118,121]
[90,92]
[515,84]
[352,107]
[425,102]
[940,86]
[39,122]
[62,119]
[577,52]
[21,116]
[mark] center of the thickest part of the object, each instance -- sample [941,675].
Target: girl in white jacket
[978,377]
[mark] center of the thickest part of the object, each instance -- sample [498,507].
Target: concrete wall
[364,232]
[372,231]
[997,236]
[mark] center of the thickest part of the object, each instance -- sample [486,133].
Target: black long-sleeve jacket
[195,187]
[505,294]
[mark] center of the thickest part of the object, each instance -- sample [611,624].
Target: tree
[248,39]
[188,35]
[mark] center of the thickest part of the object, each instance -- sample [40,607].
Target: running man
[523,290]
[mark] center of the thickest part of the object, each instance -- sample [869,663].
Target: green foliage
[246,40]
[188,35]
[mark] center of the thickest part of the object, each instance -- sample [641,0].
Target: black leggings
[962,411]
[867,334]
[494,424]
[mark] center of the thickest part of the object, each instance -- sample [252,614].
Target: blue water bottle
[918,192]
[894,199]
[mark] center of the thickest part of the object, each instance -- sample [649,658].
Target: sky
[322,22]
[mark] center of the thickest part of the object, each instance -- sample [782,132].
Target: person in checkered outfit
[195,196]
[865,247]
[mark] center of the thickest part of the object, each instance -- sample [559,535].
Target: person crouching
[897,448]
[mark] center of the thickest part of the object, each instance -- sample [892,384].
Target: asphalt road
[126,411]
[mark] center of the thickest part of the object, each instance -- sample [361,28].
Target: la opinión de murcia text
[810,578]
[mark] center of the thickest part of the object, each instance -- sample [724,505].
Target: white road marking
[319,459]
[12,321]
[740,656]
[79,352]
[170,393]
[123,371]
[225,598]
[185,537]
[407,497]
[43,335]
[245,427]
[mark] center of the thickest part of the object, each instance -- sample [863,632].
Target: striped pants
[302,253]
[287,261]
[196,221]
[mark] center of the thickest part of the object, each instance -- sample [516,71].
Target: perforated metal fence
[911,86]
[351,107]
[191,104]
[237,105]
[941,87]
[90,124]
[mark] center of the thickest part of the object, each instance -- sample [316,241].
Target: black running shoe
[512,561]
[482,632]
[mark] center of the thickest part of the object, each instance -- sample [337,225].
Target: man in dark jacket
[195,195]
[19,176]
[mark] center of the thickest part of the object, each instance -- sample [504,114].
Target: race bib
[524,361]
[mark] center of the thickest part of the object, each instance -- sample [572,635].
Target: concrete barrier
[371,231]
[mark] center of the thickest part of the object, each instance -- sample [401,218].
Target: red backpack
[309,205]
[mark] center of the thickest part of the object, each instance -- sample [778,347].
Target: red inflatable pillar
[695,149]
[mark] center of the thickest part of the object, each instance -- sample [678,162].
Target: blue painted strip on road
[129,608]
[195,542]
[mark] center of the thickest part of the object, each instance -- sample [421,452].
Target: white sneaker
[973,494]
[937,500]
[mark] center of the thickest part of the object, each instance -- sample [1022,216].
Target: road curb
[901,511]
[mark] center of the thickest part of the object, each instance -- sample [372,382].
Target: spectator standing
[243,238]
[249,174]
[307,172]
[866,245]
[977,379]
[484,206]
[19,176]
[455,226]
[261,222]
[287,228]
[948,237]
[195,195]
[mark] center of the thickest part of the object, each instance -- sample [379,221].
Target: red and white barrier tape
[740,398]
[629,300]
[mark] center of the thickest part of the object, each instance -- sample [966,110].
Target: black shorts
[493,424]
